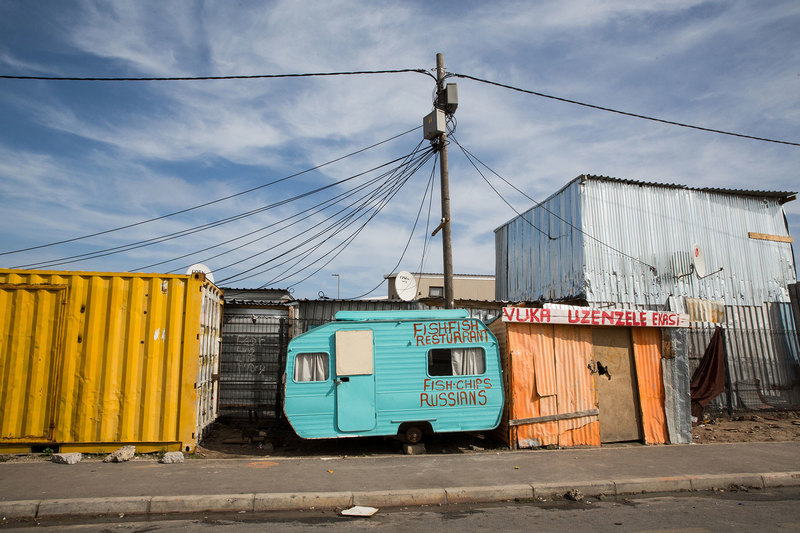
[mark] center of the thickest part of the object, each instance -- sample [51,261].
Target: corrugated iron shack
[581,377]
[255,333]
[724,256]
[93,360]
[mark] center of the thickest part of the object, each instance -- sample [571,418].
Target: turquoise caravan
[403,373]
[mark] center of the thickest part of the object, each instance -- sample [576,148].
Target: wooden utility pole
[447,247]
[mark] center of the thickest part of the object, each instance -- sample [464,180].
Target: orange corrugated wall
[550,375]
[576,386]
[647,353]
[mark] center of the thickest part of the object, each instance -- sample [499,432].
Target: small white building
[605,242]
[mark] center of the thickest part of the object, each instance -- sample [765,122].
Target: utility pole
[447,247]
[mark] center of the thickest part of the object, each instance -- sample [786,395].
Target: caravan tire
[413,434]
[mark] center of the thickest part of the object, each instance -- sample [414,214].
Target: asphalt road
[754,510]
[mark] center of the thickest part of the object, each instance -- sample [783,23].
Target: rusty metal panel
[550,380]
[135,362]
[576,390]
[503,430]
[647,353]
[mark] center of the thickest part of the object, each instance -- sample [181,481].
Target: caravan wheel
[413,434]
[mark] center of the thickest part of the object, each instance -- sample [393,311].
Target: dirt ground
[761,426]
[231,441]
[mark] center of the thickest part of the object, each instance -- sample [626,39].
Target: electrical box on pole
[433,124]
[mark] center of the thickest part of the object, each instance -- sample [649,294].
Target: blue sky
[82,157]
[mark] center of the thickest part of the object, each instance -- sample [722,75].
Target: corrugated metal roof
[786,195]
[440,275]
[257,296]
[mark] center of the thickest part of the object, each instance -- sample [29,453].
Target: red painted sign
[454,392]
[448,332]
[585,316]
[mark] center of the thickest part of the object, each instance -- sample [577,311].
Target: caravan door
[355,381]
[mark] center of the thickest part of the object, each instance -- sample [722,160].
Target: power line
[240,275]
[353,236]
[428,186]
[235,77]
[393,190]
[334,226]
[161,217]
[195,229]
[540,204]
[313,209]
[534,226]
[626,113]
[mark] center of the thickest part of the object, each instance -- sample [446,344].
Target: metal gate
[252,362]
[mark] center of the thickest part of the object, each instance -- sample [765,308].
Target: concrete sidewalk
[91,488]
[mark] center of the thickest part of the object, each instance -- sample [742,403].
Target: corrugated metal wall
[114,358]
[539,255]
[658,225]
[548,374]
[647,354]
[762,350]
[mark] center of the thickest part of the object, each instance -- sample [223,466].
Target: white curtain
[311,367]
[467,361]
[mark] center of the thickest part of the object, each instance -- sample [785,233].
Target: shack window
[436,292]
[311,367]
[456,361]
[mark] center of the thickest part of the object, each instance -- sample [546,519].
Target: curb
[155,505]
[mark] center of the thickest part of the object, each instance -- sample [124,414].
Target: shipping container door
[30,323]
[617,396]
[355,381]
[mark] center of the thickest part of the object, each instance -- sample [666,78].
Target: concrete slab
[489,494]
[781,479]
[93,506]
[724,481]
[295,501]
[654,484]
[588,488]
[400,497]
[19,509]
[205,503]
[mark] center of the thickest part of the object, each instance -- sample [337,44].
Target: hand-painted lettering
[454,392]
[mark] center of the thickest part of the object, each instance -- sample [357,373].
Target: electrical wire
[235,77]
[161,217]
[500,195]
[189,231]
[411,159]
[359,231]
[331,228]
[390,174]
[540,204]
[397,185]
[626,113]
[330,201]
[428,187]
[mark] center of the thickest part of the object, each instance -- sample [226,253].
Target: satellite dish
[200,267]
[405,285]
[699,261]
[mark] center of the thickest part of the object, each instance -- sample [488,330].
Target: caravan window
[311,367]
[456,361]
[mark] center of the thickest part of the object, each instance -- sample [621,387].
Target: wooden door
[617,390]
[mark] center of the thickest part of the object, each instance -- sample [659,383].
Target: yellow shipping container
[90,361]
